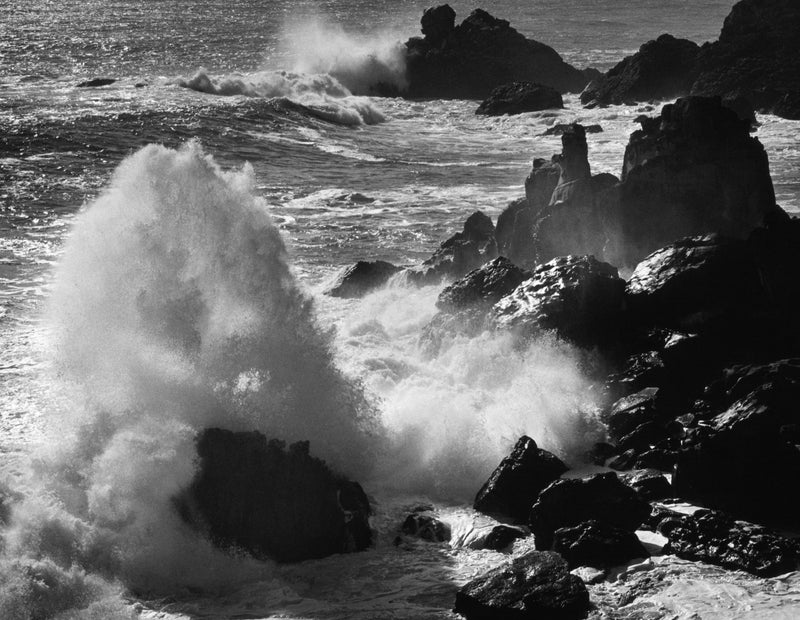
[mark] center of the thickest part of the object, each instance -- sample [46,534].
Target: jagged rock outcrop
[516,483]
[577,296]
[693,170]
[361,278]
[482,287]
[756,57]
[570,502]
[467,61]
[739,451]
[756,60]
[662,69]
[520,97]
[597,544]
[286,505]
[535,586]
[460,254]
[716,538]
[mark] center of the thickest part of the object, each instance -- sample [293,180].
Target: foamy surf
[321,95]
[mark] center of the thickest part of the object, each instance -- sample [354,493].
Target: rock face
[483,286]
[757,56]
[597,544]
[535,586]
[361,278]
[469,60]
[693,170]
[513,487]
[756,59]
[570,502]
[577,296]
[520,97]
[661,69]
[715,538]
[253,494]
[461,253]
[739,453]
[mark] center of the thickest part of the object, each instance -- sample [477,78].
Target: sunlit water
[168,312]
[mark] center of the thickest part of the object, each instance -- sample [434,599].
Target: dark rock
[478,55]
[520,97]
[502,536]
[630,411]
[661,69]
[600,453]
[560,128]
[639,371]
[438,23]
[252,494]
[644,437]
[577,296]
[597,544]
[737,454]
[694,283]
[426,526]
[515,484]
[96,82]
[715,538]
[535,586]
[658,458]
[483,286]
[757,56]
[692,171]
[461,253]
[569,502]
[650,484]
[361,278]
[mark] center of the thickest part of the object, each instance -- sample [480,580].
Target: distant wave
[321,95]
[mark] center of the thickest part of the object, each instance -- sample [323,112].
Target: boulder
[96,82]
[650,484]
[693,170]
[570,502]
[501,536]
[716,538]
[662,69]
[597,544]
[425,525]
[757,56]
[630,411]
[478,55]
[560,128]
[253,494]
[520,97]
[460,254]
[516,483]
[739,452]
[482,287]
[577,296]
[535,586]
[361,278]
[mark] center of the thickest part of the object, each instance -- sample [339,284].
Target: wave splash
[174,309]
[320,95]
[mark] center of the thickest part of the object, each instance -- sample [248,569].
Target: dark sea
[160,239]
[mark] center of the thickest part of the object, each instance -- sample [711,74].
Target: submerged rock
[661,69]
[285,505]
[577,296]
[520,97]
[515,484]
[467,61]
[96,82]
[425,525]
[715,538]
[570,502]
[361,278]
[535,586]
[597,544]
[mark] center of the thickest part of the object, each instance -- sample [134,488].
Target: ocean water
[164,242]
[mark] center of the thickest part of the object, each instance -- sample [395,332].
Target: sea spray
[173,309]
[361,62]
[451,417]
[320,95]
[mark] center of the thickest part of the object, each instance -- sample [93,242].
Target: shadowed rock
[520,97]
[597,544]
[361,278]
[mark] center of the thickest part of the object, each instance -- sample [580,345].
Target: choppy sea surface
[142,302]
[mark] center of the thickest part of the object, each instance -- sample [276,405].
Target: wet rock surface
[518,98]
[597,544]
[516,483]
[253,494]
[361,278]
[536,585]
